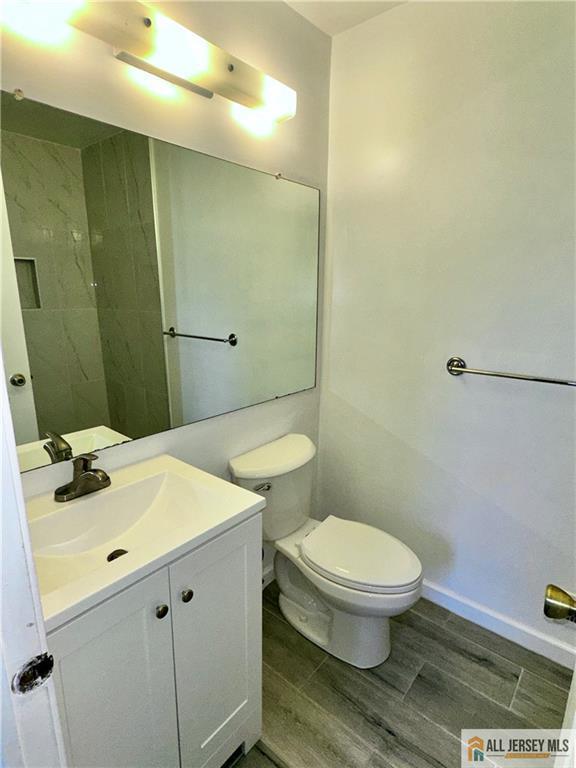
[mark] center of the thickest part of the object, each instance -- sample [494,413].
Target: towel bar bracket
[456,366]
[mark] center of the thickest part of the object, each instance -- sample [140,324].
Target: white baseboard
[502,625]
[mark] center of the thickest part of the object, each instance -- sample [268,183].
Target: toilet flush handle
[262,487]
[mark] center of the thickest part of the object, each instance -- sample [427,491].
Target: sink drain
[116,553]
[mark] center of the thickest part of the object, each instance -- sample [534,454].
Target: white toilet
[340,581]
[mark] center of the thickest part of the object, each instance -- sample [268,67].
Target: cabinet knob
[187,595]
[161,611]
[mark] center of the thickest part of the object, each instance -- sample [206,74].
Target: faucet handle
[83,462]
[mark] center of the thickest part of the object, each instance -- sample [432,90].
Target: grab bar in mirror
[456,366]
[232,338]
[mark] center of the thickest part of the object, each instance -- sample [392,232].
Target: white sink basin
[154,511]
[130,514]
[32,455]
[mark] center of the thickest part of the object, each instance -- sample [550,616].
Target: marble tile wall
[121,219]
[48,223]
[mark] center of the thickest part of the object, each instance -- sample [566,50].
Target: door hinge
[33,673]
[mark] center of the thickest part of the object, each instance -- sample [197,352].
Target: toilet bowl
[340,581]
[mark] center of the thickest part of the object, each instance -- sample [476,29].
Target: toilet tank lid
[277,458]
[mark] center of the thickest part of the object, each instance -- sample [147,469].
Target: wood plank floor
[444,674]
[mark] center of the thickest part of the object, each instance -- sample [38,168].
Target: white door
[114,675]
[31,733]
[216,615]
[14,341]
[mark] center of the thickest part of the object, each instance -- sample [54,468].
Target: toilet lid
[360,556]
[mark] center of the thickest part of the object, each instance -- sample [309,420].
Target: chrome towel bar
[232,339]
[456,366]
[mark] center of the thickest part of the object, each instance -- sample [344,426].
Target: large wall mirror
[122,251]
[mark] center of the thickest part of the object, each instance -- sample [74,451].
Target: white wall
[84,77]
[451,232]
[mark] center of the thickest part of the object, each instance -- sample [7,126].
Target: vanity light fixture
[43,23]
[145,38]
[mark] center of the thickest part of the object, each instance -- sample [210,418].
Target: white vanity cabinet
[167,673]
[217,643]
[114,675]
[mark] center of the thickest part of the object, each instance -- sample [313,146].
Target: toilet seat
[360,557]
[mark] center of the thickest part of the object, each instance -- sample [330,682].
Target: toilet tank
[280,471]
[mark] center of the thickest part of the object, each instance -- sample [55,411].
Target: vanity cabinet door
[115,681]
[217,624]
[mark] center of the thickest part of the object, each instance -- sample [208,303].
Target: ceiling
[334,17]
[39,121]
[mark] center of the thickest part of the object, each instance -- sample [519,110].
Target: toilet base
[362,641]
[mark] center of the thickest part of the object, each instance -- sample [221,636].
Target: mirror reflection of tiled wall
[50,226]
[83,219]
[121,218]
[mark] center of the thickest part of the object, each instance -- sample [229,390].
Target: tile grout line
[522,669]
[554,685]
[426,717]
[376,680]
[422,715]
[440,623]
[516,689]
[278,615]
[269,753]
[343,726]
[466,684]
[508,708]
[453,631]
[300,686]
[529,717]
[548,682]
[483,648]
[436,725]
[466,681]
[407,691]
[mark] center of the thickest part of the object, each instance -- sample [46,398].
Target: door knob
[161,611]
[17,379]
[187,595]
[558,604]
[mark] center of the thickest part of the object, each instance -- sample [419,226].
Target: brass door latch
[558,604]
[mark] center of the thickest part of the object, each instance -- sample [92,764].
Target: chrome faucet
[57,448]
[85,479]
